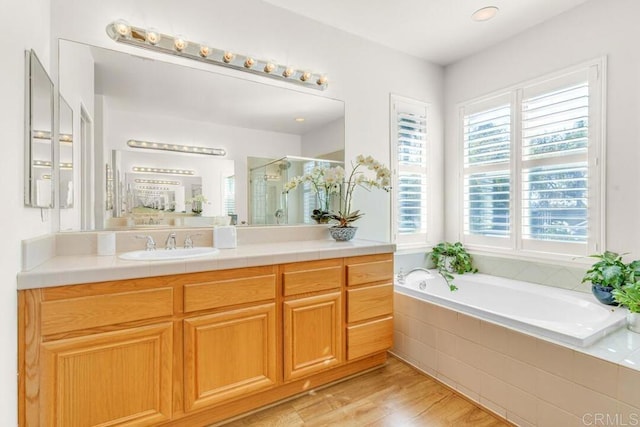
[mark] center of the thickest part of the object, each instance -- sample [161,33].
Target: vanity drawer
[369,338]
[222,293]
[369,269]
[312,276]
[369,302]
[73,314]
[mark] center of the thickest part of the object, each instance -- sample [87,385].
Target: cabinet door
[229,354]
[113,378]
[312,335]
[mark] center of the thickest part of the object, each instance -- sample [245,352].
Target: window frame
[533,248]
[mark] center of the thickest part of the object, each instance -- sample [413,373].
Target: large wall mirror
[39,190]
[116,97]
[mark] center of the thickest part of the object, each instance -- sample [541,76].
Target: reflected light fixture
[192,149]
[156,181]
[168,171]
[66,137]
[484,14]
[123,32]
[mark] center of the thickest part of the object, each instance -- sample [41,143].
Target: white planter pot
[633,322]
[448,261]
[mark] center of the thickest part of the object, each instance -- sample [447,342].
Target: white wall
[594,29]
[324,140]
[266,31]
[25,25]
[120,126]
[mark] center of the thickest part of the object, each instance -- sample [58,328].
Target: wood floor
[393,396]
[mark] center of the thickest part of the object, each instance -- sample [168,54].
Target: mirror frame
[33,65]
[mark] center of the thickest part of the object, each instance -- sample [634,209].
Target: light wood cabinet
[229,354]
[195,349]
[114,378]
[312,335]
[369,305]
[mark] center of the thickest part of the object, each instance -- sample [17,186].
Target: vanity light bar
[176,147]
[41,164]
[143,169]
[41,134]
[122,32]
[156,181]
[47,164]
[151,187]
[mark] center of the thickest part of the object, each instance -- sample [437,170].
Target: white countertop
[76,269]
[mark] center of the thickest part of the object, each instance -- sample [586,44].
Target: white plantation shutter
[531,165]
[230,195]
[409,141]
[487,179]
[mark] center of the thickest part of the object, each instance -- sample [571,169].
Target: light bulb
[306,75]
[204,51]
[288,72]
[228,57]
[153,36]
[122,27]
[322,80]
[249,62]
[180,43]
[269,67]
[484,14]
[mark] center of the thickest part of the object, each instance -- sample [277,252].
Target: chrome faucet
[188,241]
[170,243]
[150,245]
[402,278]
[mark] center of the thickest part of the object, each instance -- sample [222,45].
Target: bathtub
[565,316]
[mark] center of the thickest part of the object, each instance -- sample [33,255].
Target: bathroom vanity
[190,349]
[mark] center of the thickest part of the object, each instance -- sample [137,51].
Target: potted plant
[609,273]
[196,204]
[357,178]
[452,258]
[324,183]
[628,295]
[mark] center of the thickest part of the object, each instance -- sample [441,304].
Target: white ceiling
[440,31]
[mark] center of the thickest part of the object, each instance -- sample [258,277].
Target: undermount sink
[169,254]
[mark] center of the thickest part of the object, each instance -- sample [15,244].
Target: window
[531,165]
[410,148]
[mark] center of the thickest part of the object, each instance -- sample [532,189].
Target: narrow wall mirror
[65,150]
[39,191]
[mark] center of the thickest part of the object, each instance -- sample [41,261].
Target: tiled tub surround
[563,315]
[70,258]
[528,380]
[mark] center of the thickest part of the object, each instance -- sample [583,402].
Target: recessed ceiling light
[484,14]
[299,119]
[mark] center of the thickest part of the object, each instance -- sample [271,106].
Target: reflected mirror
[126,97]
[38,146]
[168,190]
[65,150]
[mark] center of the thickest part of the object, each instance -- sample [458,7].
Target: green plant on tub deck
[610,273]
[451,258]
[628,295]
